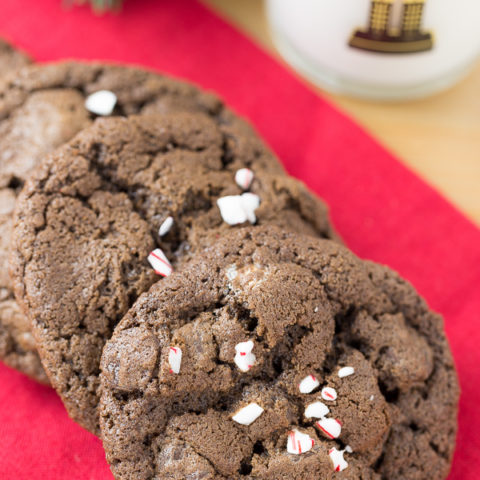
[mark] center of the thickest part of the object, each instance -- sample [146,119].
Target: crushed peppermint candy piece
[175,359]
[244,358]
[101,103]
[247,415]
[250,203]
[308,384]
[299,442]
[329,393]
[244,178]
[331,427]
[236,209]
[165,226]
[231,272]
[231,209]
[160,263]
[316,410]
[346,371]
[336,456]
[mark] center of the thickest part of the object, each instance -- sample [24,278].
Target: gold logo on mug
[381,36]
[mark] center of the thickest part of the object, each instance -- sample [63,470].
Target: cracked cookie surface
[346,369]
[90,215]
[41,108]
[17,346]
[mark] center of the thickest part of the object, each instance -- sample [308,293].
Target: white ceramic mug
[386,49]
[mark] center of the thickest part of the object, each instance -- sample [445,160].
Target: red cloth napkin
[383,211]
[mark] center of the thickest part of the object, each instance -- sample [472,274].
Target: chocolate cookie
[279,356]
[44,106]
[17,346]
[124,194]
[11,58]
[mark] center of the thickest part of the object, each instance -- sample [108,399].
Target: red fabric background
[382,210]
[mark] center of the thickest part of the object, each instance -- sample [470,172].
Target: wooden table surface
[438,137]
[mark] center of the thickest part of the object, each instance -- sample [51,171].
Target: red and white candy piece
[101,103]
[247,415]
[165,226]
[336,456]
[329,393]
[346,371]
[299,442]
[244,358]
[236,209]
[175,359]
[331,427]
[316,410]
[160,263]
[308,384]
[244,178]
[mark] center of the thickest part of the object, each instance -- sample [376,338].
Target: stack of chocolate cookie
[191,303]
